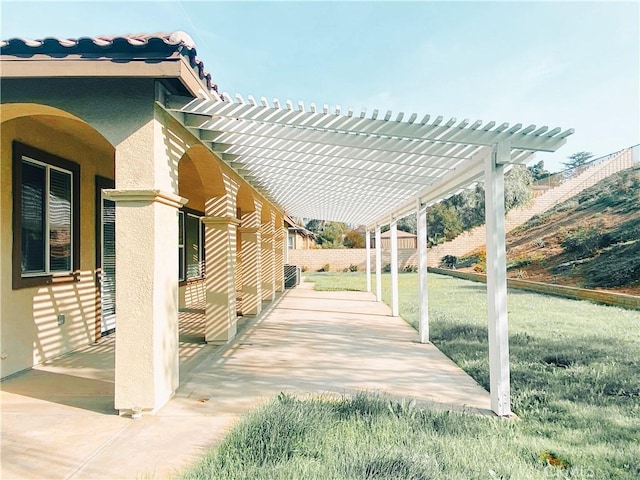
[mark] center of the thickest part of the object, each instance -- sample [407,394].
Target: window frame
[37,156]
[182,247]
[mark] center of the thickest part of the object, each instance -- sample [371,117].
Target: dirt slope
[592,240]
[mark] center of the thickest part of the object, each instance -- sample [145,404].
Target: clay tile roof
[131,45]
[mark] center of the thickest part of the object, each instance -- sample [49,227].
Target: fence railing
[558,178]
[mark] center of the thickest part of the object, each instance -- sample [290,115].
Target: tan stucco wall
[30,333]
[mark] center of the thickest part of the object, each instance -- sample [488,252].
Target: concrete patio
[58,419]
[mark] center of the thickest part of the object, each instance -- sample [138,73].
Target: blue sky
[568,64]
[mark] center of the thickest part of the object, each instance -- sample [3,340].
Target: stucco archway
[42,319]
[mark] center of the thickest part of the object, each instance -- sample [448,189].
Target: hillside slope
[591,240]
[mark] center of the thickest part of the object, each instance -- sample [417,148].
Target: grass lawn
[575,370]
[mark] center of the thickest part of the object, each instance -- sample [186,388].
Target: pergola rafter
[321,162]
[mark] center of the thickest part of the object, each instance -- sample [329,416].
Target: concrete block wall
[340,259]
[476,237]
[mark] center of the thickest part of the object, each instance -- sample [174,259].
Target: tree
[331,235]
[444,223]
[578,159]
[517,187]
[353,239]
[315,226]
[408,224]
[538,172]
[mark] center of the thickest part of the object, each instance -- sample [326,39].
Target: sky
[562,64]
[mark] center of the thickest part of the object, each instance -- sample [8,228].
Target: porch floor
[58,419]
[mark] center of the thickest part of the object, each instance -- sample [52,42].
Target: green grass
[575,387]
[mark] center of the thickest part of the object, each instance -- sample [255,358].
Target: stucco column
[268,262]
[146,364]
[280,246]
[251,270]
[220,281]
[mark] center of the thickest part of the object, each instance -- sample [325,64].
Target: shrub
[353,267]
[324,268]
[410,269]
[583,240]
[449,261]
[387,268]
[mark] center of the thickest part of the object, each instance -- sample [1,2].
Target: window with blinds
[190,246]
[45,211]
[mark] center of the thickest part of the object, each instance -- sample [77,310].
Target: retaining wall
[631,302]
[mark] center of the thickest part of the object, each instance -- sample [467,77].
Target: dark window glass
[192,247]
[181,246]
[59,221]
[33,218]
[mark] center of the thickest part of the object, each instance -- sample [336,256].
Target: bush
[387,268]
[324,268]
[583,240]
[353,267]
[449,261]
[410,269]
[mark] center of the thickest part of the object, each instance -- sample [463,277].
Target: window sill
[189,281]
[44,280]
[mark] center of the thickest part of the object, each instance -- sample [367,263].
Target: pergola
[373,170]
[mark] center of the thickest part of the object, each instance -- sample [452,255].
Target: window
[190,242]
[291,241]
[45,217]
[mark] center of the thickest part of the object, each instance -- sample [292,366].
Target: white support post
[497,279]
[378,265]
[367,246]
[395,311]
[423,289]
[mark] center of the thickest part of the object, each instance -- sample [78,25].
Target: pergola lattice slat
[319,163]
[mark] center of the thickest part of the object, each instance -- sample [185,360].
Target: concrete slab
[58,419]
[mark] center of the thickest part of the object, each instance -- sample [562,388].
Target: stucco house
[84,142]
[300,238]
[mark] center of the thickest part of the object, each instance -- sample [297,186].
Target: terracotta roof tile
[152,45]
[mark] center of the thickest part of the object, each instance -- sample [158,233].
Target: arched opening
[52,232]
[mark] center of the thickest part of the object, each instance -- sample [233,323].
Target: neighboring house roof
[142,46]
[302,231]
[401,234]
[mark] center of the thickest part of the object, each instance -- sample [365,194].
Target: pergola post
[367,246]
[497,279]
[422,274]
[378,265]
[394,268]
